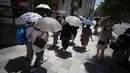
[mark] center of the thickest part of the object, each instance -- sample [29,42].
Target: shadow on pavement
[102,66]
[40,70]
[53,48]
[79,49]
[17,64]
[71,44]
[63,55]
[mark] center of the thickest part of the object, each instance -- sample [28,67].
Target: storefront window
[54,4]
[37,2]
[5,11]
[78,1]
[19,7]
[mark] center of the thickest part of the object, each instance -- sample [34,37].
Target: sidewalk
[54,64]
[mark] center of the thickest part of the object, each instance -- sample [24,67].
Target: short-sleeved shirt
[32,33]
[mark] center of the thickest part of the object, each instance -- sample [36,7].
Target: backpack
[21,35]
[121,43]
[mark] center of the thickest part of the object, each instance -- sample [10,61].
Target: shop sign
[6,20]
[5,2]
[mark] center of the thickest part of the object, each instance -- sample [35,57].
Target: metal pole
[30,5]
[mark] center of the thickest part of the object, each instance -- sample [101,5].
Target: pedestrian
[55,34]
[32,33]
[60,19]
[121,49]
[65,36]
[96,25]
[74,33]
[43,12]
[105,35]
[86,34]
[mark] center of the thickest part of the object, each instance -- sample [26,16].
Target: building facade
[86,7]
[10,10]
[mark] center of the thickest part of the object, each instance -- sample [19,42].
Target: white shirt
[32,34]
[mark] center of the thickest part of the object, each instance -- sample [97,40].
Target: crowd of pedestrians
[121,46]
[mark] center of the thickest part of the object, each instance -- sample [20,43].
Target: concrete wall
[92,6]
[7,35]
[84,10]
[66,6]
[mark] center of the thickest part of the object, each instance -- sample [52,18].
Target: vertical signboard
[5,2]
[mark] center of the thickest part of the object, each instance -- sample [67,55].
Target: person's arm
[91,35]
[119,39]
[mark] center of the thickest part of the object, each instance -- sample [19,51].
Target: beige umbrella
[45,6]
[48,24]
[105,21]
[73,20]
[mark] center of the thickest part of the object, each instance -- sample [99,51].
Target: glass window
[6,21]
[78,1]
[20,3]
[19,7]
[5,11]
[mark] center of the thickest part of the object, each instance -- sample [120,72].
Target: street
[79,62]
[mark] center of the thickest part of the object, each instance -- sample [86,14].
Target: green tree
[117,9]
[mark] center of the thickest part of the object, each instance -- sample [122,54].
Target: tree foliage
[118,9]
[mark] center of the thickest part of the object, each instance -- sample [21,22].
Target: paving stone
[51,71]
[3,63]
[76,63]
[12,56]
[82,67]
[56,66]
[2,58]
[22,54]
[52,59]
[16,52]
[73,69]
[8,51]
[50,53]
[82,71]
[20,47]
[2,71]
[67,64]
[62,70]
[47,65]
[60,59]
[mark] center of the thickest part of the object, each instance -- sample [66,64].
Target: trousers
[29,55]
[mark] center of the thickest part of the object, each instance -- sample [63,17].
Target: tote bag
[39,42]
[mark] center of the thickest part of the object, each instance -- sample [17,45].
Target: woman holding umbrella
[44,10]
[105,35]
[67,30]
[60,17]
[38,37]
[65,36]
[86,33]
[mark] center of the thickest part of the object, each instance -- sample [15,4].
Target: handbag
[39,42]
[114,46]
